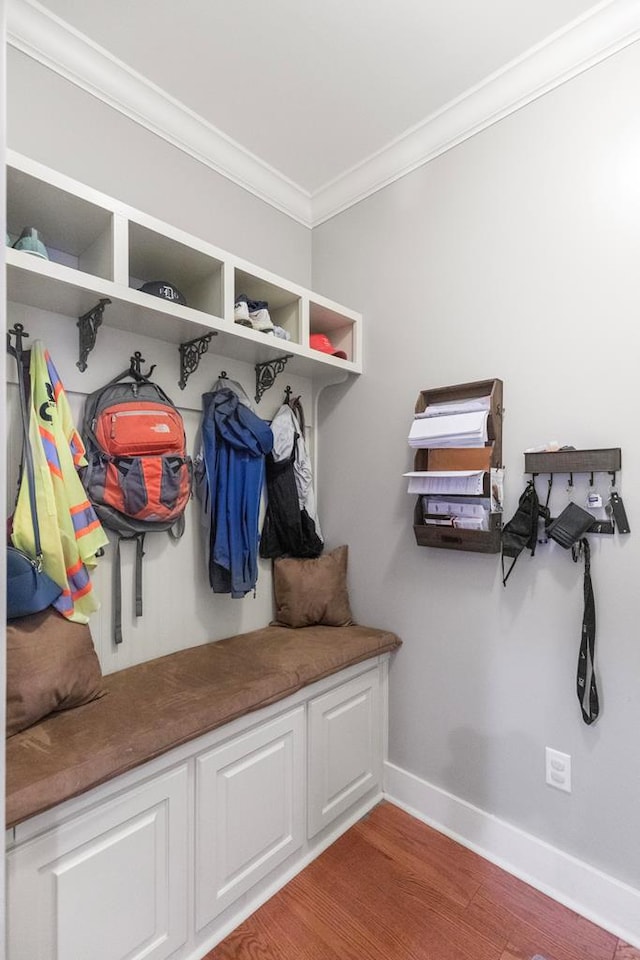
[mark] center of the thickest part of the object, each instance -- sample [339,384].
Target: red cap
[320,341]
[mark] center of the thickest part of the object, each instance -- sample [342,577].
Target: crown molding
[604,30]
[54,43]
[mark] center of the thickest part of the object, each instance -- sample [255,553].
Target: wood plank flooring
[391,888]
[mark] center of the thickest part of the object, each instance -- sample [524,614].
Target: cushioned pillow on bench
[154,706]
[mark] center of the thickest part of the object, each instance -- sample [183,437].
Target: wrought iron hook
[136,362]
[19,332]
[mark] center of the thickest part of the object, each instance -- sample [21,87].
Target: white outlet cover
[558,769]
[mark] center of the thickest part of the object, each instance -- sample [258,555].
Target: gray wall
[51,120]
[514,255]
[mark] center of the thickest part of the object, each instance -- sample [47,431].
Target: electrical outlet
[558,769]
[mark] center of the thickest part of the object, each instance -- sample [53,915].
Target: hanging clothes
[229,471]
[291,526]
[71,534]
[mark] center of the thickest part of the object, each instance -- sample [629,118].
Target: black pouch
[521,531]
[569,527]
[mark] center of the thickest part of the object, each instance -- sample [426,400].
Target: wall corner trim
[601,898]
[55,44]
[602,31]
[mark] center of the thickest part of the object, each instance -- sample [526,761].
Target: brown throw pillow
[51,665]
[312,591]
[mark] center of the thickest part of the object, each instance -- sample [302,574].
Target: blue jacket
[229,476]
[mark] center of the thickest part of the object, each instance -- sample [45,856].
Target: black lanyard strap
[586,686]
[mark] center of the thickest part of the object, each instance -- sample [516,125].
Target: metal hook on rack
[19,332]
[287,394]
[612,474]
[223,375]
[136,362]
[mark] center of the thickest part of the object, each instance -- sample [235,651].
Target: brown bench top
[154,706]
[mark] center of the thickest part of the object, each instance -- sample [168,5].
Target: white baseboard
[610,904]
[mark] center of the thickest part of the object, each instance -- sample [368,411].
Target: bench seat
[152,707]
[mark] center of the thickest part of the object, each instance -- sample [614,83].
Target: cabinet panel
[71,889]
[344,748]
[249,811]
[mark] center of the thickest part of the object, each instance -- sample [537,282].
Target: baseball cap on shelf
[160,288]
[320,341]
[30,242]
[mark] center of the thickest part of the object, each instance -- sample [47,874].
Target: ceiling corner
[601,32]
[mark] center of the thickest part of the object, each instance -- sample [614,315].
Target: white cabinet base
[163,862]
[344,741]
[108,885]
[248,811]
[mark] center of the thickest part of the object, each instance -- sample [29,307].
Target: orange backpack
[138,474]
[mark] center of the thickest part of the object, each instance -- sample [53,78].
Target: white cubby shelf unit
[100,248]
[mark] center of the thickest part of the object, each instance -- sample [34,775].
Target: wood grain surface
[392,888]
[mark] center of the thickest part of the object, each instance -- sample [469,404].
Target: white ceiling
[315,86]
[311,88]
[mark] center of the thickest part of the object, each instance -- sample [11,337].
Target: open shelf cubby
[75,232]
[198,276]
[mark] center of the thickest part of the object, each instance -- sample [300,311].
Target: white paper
[469,523]
[451,508]
[461,482]
[458,430]
[455,406]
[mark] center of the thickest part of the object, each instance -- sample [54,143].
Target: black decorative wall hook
[266,374]
[19,332]
[88,325]
[135,368]
[190,353]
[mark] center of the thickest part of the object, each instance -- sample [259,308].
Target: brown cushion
[311,592]
[51,666]
[162,703]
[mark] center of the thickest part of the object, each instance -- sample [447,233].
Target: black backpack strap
[117,583]
[139,538]
[117,593]
[586,686]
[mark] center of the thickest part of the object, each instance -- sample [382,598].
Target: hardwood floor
[391,888]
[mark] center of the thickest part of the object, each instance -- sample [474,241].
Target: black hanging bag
[522,530]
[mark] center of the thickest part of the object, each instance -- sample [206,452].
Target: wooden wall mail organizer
[463,458]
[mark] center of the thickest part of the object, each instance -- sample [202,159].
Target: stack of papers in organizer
[462,482]
[450,430]
[456,406]
[456,512]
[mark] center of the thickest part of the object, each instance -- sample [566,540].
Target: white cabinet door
[345,748]
[71,890]
[249,811]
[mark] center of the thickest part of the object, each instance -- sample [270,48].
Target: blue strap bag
[29,588]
